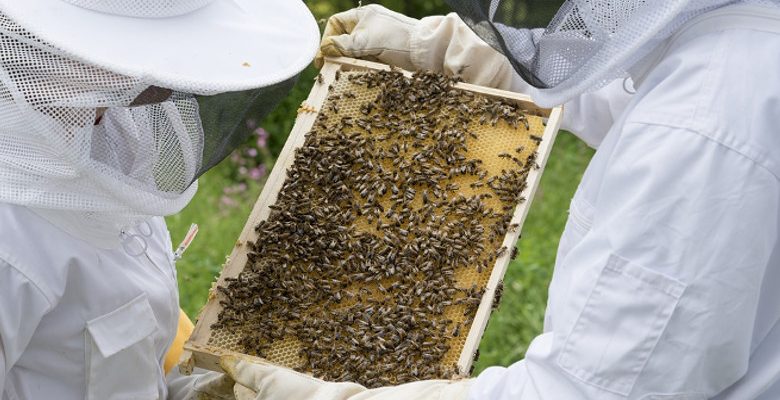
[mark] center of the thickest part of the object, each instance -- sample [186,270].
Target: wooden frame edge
[485,309]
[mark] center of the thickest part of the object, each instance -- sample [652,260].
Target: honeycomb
[492,140]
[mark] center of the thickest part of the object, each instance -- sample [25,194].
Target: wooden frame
[199,353]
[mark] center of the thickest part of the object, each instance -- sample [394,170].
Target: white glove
[370,32]
[201,385]
[446,44]
[267,382]
[442,44]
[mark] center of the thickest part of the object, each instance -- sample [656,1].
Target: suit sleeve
[658,298]
[22,306]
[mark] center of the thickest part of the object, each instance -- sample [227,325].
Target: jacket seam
[582,212]
[708,137]
[661,334]
[707,83]
[5,259]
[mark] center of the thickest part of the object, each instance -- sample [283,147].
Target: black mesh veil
[513,27]
[223,117]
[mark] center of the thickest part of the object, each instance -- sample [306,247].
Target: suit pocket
[623,319]
[121,360]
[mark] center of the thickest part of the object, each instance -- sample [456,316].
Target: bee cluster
[374,258]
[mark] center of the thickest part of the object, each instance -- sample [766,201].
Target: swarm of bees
[361,261]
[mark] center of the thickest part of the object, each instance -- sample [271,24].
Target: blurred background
[228,192]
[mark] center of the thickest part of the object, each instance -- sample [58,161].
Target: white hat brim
[228,45]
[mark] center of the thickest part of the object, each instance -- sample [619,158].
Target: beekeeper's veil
[587,43]
[148,62]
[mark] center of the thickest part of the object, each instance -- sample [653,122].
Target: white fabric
[447,45]
[269,382]
[591,43]
[136,162]
[442,44]
[143,8]
[78,322]
[665,285]
[88,227]
[371,32]
[200,385]
[228,45]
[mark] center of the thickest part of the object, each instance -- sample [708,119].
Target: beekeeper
[667,274]
[100,134]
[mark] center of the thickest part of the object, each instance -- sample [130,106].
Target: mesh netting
[587,43]
[142,8]
[134,162]
[223,116]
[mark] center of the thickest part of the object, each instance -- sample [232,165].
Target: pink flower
[238,188]
[228,201]
[242,170]
[257,173]
[262,137]
[251,152]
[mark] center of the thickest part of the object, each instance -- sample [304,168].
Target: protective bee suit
[665,283]
[108,115]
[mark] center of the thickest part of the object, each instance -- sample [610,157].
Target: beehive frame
[198,351]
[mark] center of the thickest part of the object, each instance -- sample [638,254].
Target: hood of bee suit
[216,60]
[585,44]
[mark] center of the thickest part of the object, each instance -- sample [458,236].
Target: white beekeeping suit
[101,134]
[665,283]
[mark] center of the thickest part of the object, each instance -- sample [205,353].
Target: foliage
[249,164]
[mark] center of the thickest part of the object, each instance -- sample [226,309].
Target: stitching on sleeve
[10,262]
[710,138]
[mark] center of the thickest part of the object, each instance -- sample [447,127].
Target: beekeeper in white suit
[100,134]
[667,275]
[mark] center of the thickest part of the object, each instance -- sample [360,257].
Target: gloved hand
[267,382]
[201,385]
[437,43]
[370,32]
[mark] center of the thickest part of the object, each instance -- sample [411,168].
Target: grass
[511,328]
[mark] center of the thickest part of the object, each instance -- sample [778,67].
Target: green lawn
[511,328]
